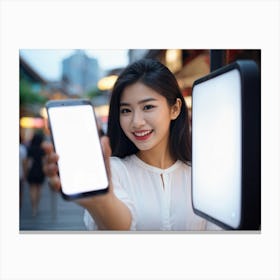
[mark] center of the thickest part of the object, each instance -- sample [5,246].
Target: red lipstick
[142,135]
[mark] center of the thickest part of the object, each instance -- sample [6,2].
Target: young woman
[148,155]
[35,173]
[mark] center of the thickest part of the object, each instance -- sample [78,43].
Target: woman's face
[145,117]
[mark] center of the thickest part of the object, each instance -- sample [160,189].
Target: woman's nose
[138,119]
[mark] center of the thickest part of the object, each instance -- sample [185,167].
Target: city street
[54,213]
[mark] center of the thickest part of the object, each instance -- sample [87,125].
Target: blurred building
[34,92]
[80,72]
[136,54]
[32,84]
[29,74]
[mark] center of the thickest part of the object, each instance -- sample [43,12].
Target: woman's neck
[158,159]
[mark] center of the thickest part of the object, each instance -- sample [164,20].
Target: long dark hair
[158,77]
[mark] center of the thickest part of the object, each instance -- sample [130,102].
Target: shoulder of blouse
[128,162]
[117,163]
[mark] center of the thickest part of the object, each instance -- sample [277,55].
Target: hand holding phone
[76,140]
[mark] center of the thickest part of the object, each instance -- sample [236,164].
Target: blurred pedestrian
[35,174]
[148,155]
[22,168]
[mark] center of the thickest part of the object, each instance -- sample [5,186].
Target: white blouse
[159,199]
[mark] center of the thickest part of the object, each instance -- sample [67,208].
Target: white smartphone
[76,140]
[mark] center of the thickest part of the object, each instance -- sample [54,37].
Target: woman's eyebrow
[139,102]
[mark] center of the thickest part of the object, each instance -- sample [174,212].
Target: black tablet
[226,146]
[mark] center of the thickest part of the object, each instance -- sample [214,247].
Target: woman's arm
[107,210]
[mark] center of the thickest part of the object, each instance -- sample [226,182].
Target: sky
[48,62]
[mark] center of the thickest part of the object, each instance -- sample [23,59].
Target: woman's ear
[176,109]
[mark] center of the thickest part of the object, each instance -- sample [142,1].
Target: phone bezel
[75,102]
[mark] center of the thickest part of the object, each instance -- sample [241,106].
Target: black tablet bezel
[251,153]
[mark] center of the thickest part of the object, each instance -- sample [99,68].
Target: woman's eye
[149,107]
[124,111]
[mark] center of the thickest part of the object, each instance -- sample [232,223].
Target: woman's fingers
[51,158]
[50,165]
[47,147]
[54,182]
[105,143]
[50,169]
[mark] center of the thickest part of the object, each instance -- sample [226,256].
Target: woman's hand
[51,169]
[107,210]
[50,165]
[87,202]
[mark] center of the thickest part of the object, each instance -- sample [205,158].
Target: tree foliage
[93,93]
[28,95]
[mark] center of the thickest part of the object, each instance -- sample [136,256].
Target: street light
[107,83]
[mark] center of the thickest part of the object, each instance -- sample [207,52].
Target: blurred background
[61,74]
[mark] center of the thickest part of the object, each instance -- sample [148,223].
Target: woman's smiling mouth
[142,135]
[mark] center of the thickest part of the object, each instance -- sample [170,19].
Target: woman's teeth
[143,133]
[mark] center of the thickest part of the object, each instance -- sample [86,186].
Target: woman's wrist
[96,201]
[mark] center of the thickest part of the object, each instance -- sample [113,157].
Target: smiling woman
[149,169]
[157,82]
[140,107]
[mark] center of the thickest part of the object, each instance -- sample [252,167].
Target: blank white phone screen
[217,147]
[76,140]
